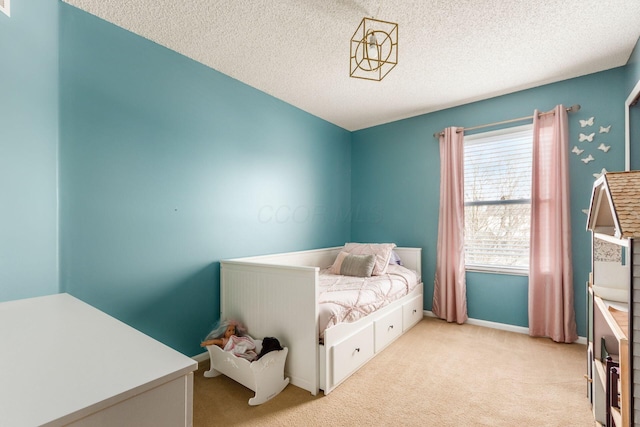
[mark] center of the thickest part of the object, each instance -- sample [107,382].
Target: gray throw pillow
[358,265]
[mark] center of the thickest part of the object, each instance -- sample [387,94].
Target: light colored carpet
[437,374]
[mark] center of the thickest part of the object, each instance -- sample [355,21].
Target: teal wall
[167,166]
[633,78]
[128,171]
[28,150]
[405,197]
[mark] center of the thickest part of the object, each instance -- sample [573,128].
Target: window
[497,199]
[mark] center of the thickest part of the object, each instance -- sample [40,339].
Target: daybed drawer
[388,328]
[349,354]
[412,312]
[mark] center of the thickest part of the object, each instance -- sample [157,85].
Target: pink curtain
[551,312]
[450,289]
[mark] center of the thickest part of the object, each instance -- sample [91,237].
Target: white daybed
[277,295]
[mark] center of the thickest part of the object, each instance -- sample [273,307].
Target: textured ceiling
[451,52]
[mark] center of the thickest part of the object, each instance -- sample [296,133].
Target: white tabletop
[61,359]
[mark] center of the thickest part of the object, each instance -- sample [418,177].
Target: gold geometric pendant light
[374,49]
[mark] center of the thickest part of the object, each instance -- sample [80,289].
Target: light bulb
[373,47]
[373,41]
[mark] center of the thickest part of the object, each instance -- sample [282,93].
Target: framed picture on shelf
[5,7]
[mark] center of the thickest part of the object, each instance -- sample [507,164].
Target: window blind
[497,196]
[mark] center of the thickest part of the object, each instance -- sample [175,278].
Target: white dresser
[64,362]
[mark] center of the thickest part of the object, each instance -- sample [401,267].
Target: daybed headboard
[411,258]
[312,258]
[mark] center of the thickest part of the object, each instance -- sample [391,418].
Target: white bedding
[348,299]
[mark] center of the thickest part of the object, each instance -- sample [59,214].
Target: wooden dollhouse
[613,295]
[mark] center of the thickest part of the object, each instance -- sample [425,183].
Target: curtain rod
[571,109]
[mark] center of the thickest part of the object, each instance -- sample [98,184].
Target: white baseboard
[202,357]
[503,327]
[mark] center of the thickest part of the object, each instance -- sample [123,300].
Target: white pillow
[395,259]
[382,252]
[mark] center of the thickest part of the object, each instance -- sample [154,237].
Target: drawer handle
[414,310]
[390,327]
[358,349]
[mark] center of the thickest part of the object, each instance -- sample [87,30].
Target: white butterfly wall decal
[584,137]
[576,150]
[588,122]
[585,211]
[599,174]
[603,147]
[587,159]
[605,129]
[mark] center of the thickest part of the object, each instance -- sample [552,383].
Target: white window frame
[523,271]
[5,6]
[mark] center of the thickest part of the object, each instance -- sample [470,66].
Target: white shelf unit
[614,296]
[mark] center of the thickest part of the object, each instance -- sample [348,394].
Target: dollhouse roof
[615,205]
